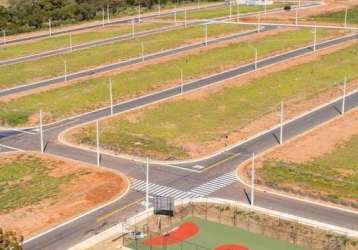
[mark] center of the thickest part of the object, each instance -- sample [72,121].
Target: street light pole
[315,38]
[147,185]
[97,143]
[253,180]
[206,34]
[181,81]
[133,28]
[41,133]
[4,37]
[49,26]
[111,95]
[142,47]
[281,124]
[345,17]
[256,58]
[344,96]
[107,13]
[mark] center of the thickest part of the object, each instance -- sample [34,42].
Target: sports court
[195,233]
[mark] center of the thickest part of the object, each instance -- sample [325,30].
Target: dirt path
[92,187]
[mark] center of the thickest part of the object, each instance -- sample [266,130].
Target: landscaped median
[338,16]
[204,122]
[39,191]
[225,11]
[94,93]
[321,165]
[76,38]
[49,67]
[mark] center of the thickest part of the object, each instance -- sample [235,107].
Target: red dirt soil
[232,247]
[183,232]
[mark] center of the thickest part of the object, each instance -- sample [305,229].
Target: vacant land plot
[38,191]
[78,60]
[225,11]
[177,129]
[64,41]
[196,233]
[322,164]
[339,16]
[90,94]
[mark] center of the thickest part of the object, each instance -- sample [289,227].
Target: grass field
[93,93]
[63,41]
[78,60]
[334,175]
[27,181]
[212,235]
[225,11]
[156,131]
[339,16]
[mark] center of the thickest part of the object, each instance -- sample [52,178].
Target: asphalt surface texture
[185,178]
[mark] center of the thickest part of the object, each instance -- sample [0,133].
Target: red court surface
[232,247]
[179,234]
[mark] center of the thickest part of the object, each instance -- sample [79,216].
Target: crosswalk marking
[155,189]
[215,184]
[198,192]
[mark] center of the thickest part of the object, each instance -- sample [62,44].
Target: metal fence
[234,216]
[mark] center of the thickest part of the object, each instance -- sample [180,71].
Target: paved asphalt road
[106,68]
[118,65]
[187,181]
[112,22]
[121,38]
[183,179]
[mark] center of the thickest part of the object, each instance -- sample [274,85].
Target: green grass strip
[339,16]
[335,174]
[224,11]
[49,67]
[63,41]
[59,103]
[214,117]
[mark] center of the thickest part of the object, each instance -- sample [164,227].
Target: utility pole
[181,81]
[258,23]
[97,143]
[238,12]
[41,133]
[345,17]
[107,13]
[71,41]
[139,14]
[111,95]
[265,6]
[142,46]
[256,58]
[49,26]
[65,64]
[132,27]
[4,37]
[344,96]
[206,34]
[253,179]
[175,15]
[281,124]
[103,16]
[147,185]
[230,11]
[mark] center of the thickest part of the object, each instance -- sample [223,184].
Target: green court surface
[212,235]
